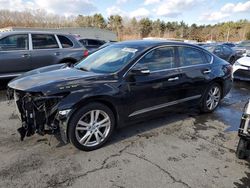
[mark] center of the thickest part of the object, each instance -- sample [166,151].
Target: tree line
[130,28]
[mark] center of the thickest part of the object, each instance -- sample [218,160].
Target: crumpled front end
[38,113]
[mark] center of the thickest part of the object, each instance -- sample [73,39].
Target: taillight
[85,53]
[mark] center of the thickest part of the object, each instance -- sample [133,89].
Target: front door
[14,54]
[158,89]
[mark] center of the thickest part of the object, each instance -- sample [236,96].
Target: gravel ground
[176,150]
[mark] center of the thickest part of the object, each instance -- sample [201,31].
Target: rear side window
[41,41]
[158,59]
[14,42]
[208,57]
[191,56]
[66,43]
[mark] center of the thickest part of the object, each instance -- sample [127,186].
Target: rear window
[66,43]
[42,41]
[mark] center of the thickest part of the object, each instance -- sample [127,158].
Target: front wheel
[211,98]
[91,126]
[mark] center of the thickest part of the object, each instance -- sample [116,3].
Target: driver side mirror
[140,71]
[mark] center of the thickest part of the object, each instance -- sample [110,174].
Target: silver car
[24,51]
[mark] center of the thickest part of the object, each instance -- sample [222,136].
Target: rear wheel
[91,126]
[211,98]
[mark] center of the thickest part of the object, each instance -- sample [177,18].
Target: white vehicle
[241,69]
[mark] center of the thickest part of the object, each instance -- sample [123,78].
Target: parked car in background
[242,48]
[222,51]
[120,83]
[102,46]
[229,44]
[241,69]
[91,44]
[24,51]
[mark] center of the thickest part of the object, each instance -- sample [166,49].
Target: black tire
[79,114]
[204,107]
[241,149]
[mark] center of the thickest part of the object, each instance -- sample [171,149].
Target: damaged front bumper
[39,114]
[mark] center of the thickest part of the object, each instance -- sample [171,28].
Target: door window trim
[179,67]
[58,42]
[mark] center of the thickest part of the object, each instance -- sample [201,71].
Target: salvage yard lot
[176,150]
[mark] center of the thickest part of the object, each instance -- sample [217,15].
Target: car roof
[6,33]
[89,39]
[153,43]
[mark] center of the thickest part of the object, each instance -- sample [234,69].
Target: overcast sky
[190,11]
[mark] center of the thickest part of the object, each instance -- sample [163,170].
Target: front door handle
[206,71]
[173,79]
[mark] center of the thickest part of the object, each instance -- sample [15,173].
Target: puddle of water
[228,116]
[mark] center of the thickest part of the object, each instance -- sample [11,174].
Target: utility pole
[228,32]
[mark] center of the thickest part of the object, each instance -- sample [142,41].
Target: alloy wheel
[92,128]
[213,98]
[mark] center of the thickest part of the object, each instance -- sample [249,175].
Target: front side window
[42,41]
[14,42]
[109,59]
[191,56]
[66,43]
[158,59]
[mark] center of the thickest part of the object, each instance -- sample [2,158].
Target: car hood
[52,79]
[244,61]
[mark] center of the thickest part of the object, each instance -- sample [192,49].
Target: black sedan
[222,51]
[123,82]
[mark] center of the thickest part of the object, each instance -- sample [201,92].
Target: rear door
[14,54]
[45,50]
[196,72]
[158,89]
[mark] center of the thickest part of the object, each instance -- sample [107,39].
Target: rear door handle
[173,79]
[57,53]
[26,55]
[206,71]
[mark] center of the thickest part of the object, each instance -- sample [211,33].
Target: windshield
[244,44]
[108,60]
